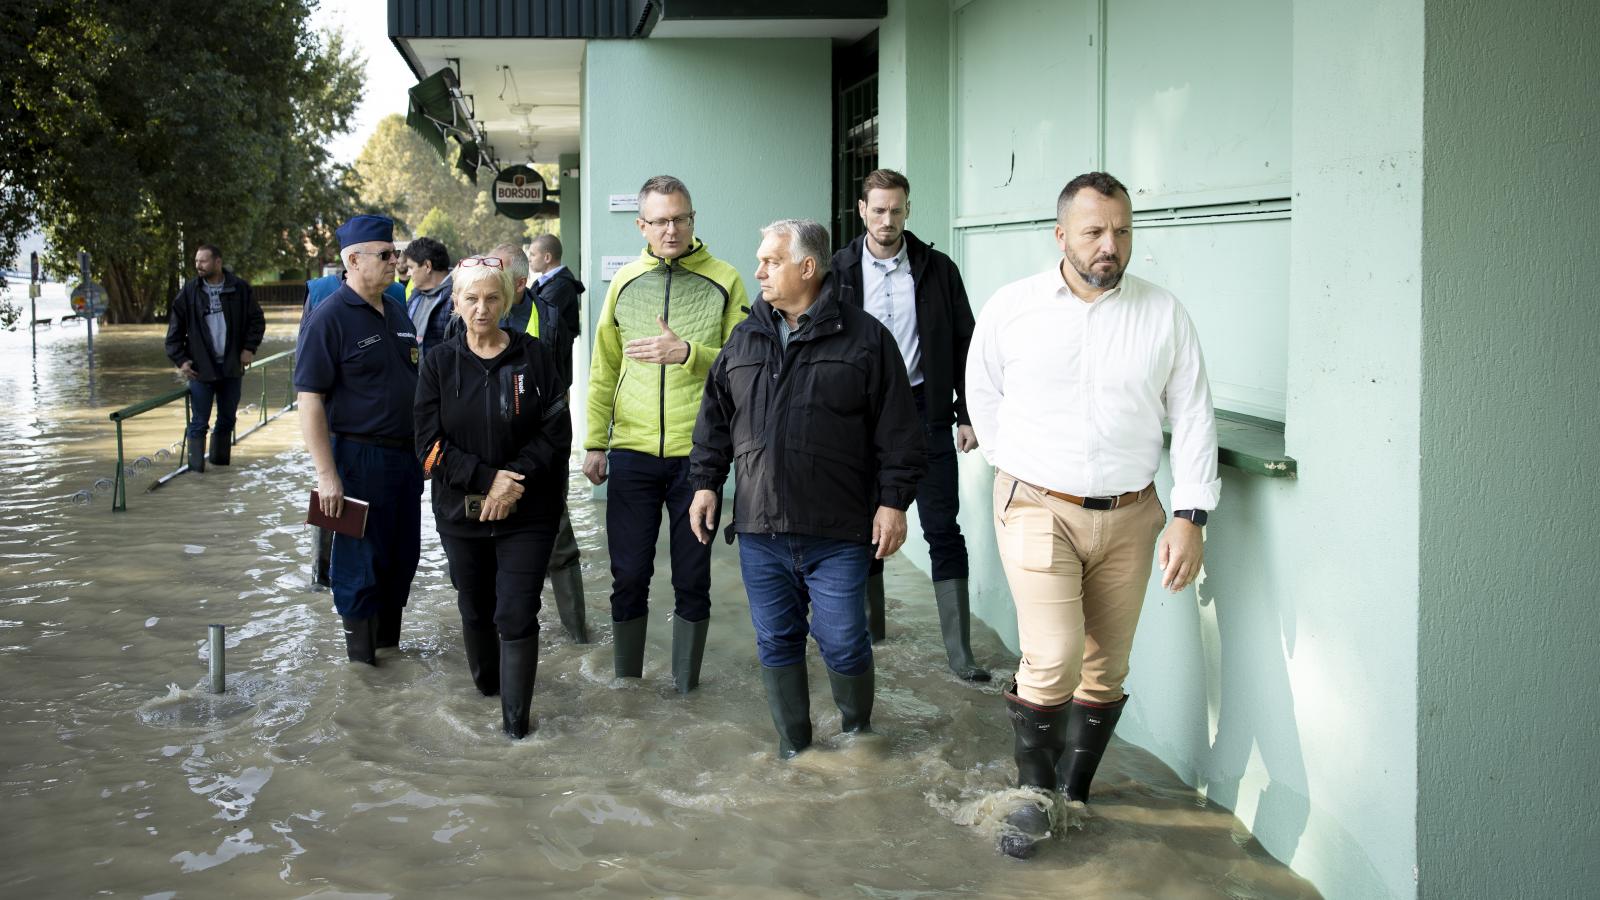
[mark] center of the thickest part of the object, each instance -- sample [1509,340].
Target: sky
[365,24]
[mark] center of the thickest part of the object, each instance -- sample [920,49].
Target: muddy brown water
[122,776]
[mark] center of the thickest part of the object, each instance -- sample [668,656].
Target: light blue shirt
[891,298]
[548,275]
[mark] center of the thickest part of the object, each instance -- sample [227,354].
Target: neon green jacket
[651,407]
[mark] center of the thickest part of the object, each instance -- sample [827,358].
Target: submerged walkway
[313,775]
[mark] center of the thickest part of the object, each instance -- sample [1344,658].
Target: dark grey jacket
[822,434]
[189,340]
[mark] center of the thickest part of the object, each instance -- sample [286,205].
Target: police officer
[356,376]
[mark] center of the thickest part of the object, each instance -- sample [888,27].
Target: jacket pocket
[750,391]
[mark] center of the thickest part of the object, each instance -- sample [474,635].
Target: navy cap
[361,229]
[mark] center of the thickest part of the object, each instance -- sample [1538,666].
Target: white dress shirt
[1070,395]
[891,298]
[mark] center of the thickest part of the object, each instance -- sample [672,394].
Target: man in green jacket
[666,316]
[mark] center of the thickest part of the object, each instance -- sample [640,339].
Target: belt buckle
[1100,503]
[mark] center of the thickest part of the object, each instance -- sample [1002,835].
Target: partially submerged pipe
[219,651]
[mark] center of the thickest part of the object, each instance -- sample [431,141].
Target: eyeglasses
[386,255]
[678,221]
[492,262]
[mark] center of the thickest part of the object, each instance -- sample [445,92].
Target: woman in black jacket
[494,434]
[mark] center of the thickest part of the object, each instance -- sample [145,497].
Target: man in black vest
[916,292]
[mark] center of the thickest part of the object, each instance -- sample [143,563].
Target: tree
[399,175]
[438,225]
[138,130]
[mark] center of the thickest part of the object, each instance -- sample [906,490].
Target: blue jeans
[225,391]
[785,572]
[637,487]
[373,573]
[939,500]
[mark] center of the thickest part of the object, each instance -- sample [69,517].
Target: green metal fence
[119,493]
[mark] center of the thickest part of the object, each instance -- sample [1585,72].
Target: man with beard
[213,331]
[1070,375]
[917,293]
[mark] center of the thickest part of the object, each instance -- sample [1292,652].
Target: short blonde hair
[465,277]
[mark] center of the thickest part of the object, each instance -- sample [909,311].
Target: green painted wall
[571,213]
[1510,708]
[1284,687]
[747,125]
[914,110]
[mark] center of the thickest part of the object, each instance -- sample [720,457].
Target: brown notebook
[352,521]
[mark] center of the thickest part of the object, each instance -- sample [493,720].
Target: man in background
[214,328]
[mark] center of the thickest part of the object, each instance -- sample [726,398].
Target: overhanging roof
[518,61]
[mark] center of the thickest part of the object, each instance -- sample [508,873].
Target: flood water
[315,777]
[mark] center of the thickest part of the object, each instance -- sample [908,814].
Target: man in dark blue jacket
[811,399]
[213,331]
[356,382]
[917,293]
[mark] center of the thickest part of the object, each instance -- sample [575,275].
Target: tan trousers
[1078,578]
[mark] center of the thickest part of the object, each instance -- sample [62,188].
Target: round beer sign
[519,193]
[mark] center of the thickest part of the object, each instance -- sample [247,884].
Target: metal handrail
[119,493]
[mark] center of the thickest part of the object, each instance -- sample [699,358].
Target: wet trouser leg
[635,493]
[472,574]
[372,573]
[201,396]
[566,581]
[1078,579]
[691,560]
[323,555]
[227,392]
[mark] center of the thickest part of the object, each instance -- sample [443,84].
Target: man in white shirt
[1070,375]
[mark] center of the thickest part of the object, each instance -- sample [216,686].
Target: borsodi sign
[519,193]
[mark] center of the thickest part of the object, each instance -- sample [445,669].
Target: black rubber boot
[955,623]
[875,622]
[389,627]
[688,649]
[1040,733]
[1089,730]
[519,663]
[853,695]
[361,639]
[324,556]
[483,658]
[789,699]
[627,647]
[567,584]
[221,448]
[197,454]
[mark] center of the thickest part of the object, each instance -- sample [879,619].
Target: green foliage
[136,130]
[438,225]
[399,175]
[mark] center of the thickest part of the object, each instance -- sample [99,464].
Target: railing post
[119,490]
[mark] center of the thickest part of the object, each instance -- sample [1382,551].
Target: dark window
[855,131]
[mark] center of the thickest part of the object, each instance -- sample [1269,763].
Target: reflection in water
[310,775]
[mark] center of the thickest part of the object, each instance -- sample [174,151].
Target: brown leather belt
[1097,502]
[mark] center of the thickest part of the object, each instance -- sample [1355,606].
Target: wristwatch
[1197,516]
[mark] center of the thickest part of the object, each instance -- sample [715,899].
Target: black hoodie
[476,416]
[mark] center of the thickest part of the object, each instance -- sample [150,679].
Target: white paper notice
[611,265]
[624,202]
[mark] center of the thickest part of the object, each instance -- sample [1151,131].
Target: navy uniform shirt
[362,363]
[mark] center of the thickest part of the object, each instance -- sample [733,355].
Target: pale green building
[1382,216]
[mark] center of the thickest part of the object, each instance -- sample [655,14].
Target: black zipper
[666,316]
